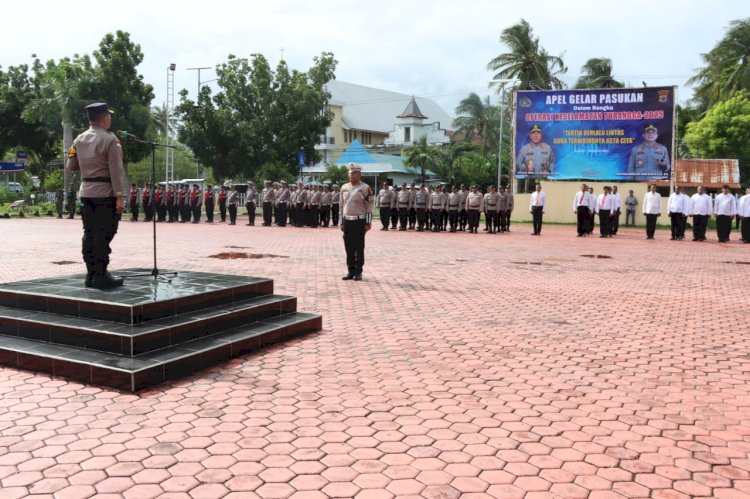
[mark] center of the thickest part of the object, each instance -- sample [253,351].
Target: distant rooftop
[376,110]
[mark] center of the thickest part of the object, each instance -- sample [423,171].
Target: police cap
[650,128]
[536,128]
[97,110]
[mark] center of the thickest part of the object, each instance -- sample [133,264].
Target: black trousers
[299,220]
[614,222]
[196,209]
[148,212]
[421,218]
[394,218]
[723,227]
[582,216]
[472,218]
[267,213]
[700,223]
[604,220]
[403,215]
[133,212]
[677,223]
[335,214]
[489,219]
[223,211]
[292,214]
[453,219]
[435,216]
[462,218]
[185,212]
[651,224]
[100,222]
[314,214]
[745,230]
[412,217]
[210,212]
[536,215]
[281,209]
[385,216]
[325,215]
[250,213]
[232,214]
[161,211]
[354,243]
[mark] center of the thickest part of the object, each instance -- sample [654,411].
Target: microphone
[125,135]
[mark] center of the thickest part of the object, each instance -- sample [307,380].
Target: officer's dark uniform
[98,155]
[59,199]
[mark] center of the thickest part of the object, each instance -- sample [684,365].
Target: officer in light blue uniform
[649,160]
[536,158]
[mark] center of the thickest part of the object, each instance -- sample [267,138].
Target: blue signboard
[301,159]
[11,167]
[620,134]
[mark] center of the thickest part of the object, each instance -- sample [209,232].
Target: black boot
[103,279]
[89,275]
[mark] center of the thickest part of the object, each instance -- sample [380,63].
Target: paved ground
[462,366]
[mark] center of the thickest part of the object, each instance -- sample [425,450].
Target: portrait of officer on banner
[535,159]
[649,160]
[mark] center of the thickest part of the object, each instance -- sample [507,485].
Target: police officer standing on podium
[356,211]
[98,155]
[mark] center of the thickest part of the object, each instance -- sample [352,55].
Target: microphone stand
[155,271]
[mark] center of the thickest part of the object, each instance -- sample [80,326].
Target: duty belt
[97,179]
[355,217]
[453,206]
[422,205]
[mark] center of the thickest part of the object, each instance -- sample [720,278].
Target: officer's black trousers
[100,222]
[700,222]
[299,220]
[196,213]
[223,211]
[354,243]
[453,218]
[412,217]
[385,216]
[435,216]
[746,230]
[614,223]
[604,222]
[335,214]
[421,218]
[650,225]
[210,212]
[403,215]
[133,212]
[325,215]
[394,218]
[723,227]
[489,219]
[473,218]
[536,215]
[281,214]
[232,214]
[250,213]
[582,215]
[462,218]
[267,213]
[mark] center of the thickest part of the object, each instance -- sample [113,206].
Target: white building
[411,125]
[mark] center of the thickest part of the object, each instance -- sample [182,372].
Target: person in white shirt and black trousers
[537,205]
[725,208]
[652,210]
[678,207]
[605,204]
[743,211]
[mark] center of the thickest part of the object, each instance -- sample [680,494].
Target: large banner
[613,134]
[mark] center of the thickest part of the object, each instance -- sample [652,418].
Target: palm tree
[727,69]
[159,118]
[597,73]
[61,88]
[527,62]
[422,156]
[477,118]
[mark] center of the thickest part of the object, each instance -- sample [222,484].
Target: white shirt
[617,200]
[538,199]
[604,202]
[744,207]
[700,204]
[678,203]
[725,204]
[582,198]
[652,203]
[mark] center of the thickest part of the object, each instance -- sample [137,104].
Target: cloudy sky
[437,49]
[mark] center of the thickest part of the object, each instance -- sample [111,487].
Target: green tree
[275,172]
[597,73]
[422,157]
[59,90]
[259,116]
[336,174]
[118,83]
[727,67]
[475,168]
[159,117]
[477,118]
[527,61]
[724,132]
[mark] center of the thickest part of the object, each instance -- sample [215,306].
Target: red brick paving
[462,366]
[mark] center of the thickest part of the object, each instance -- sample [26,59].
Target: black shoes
[358,277]
[348,277]
[105,281]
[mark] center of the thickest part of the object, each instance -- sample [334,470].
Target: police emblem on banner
[663,95]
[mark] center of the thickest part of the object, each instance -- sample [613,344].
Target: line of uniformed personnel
[435,209]
[300,205]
